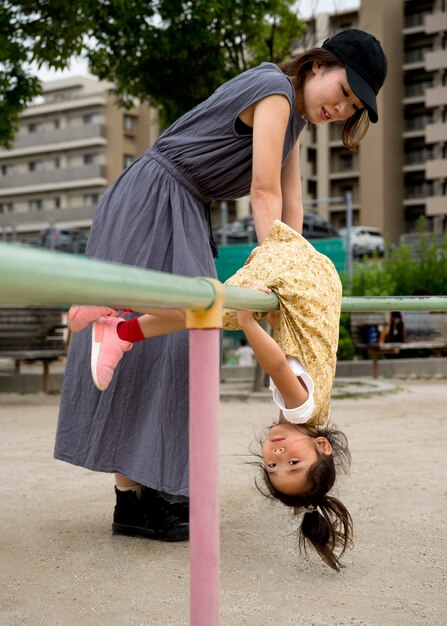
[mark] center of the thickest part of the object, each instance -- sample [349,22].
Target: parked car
[239,231]
[243,230]
[314,227]
[365,240]
[63,239]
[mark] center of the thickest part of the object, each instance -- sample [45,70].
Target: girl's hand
[244,317]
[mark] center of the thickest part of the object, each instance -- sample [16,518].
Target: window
[128,122]
[34,128]
[91,199]
[56,123]
[373,233]
[7,170]
[344,190]
[344,24]
[92,118]
[35,166]
[346,160]
[89,159]
[6,207]
[57,202]
[35,205]
[127,160]
[57,163]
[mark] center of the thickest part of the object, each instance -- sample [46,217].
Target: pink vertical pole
[204,364]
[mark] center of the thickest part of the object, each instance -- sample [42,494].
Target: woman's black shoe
[149,516]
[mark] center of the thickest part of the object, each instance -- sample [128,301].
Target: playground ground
[60,565]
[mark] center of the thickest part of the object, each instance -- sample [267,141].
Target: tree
[17,87]
[170,53]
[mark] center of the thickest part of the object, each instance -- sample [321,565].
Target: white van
[365,240]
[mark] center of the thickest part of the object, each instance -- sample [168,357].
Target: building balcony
[83,102]
[435,22]
[337,191]
[414,167]
[436,96]
[414,59]
[419,192]
[415,126]
[60,136]
[415,94]
[436,168]
[344,174]
[44,179]
[436,205]
[435,133]
[417,157]
[414,22]
[435,60]
[34,221]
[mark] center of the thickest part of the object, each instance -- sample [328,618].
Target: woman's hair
[355,127]
[326,523]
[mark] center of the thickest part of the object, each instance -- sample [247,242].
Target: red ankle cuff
[130,331]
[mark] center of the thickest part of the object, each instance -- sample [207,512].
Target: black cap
[365,64]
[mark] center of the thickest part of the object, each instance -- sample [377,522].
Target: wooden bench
[423,331]
[32,334]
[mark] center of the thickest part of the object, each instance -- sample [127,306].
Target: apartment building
[71,145]
[400,170]
[425,110]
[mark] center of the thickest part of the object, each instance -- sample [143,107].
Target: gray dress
[156,215]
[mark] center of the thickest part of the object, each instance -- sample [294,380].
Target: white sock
[137,488]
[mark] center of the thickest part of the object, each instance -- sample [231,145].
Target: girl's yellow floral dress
[309,293]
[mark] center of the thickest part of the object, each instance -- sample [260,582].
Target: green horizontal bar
[32,276]
[394,303]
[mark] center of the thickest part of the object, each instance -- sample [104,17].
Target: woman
[243,139]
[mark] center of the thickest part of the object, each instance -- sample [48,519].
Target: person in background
[245,354]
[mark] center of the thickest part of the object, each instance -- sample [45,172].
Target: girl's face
[288,454]
[327,96]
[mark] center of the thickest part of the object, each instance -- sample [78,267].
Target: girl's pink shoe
[80,316]
[107,350]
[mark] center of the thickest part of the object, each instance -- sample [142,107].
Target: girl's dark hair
[355,127]
[326,524]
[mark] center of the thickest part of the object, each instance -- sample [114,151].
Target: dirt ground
[60,565]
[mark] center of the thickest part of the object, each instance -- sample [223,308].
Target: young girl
[300,452]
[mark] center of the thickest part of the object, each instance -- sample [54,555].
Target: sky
[306,9]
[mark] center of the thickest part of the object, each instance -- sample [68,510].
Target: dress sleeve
[300,414]
[265,80]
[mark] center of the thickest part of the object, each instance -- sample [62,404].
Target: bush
[402,270]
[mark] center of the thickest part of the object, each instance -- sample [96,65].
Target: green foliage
[370,279]
[346,347]
[403,270]
[17,87]
[169,53]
